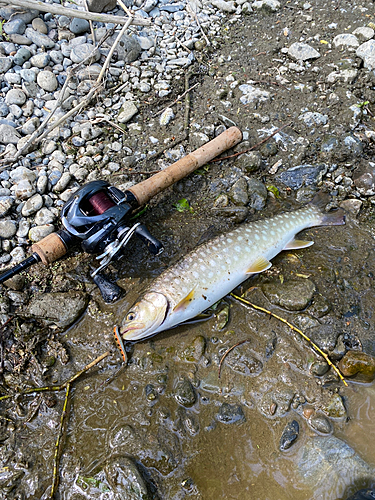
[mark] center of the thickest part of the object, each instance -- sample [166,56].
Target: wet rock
[250,162]
[351,206]
[194,351]
[319,368]
[242,360]
[325,336]
[257,193]
[277,402]
[365,494]
[238,192]
[302,175]
[364,179]
[334,407]
[185,393]
[230,414]
[345,40]
[366,52]
[302,52]
[320,424]
[330,460]
[358,365]
[59,308]
[236,214]
[293,295]
[289,435]
[126,480]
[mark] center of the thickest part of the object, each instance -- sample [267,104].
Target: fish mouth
[124,333]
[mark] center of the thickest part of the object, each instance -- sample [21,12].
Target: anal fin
[295,244]
[185,301]
[261,264]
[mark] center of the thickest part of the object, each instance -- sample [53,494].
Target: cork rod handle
[145,190]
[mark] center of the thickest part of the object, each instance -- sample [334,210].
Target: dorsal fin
[261,264]
[294,244]
[185,301]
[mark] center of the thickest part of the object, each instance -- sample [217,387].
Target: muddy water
[187,449]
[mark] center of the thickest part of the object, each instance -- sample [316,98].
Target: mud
[185,432]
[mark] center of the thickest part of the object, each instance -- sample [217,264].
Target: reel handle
[147,189]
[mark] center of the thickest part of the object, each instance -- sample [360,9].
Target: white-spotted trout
[216,267]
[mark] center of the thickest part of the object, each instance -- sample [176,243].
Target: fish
[215,268]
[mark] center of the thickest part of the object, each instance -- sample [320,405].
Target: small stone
[289,435]
[128,49]
[226,6]
[127,111]
[302,52]
[39,39]
[101,5]
[257,193]
[366,52]
[352,206]
[8,229]
[268,5]
[79,26]
[32,205]
[22,55]
[30,126]
[193,352]
[9,135]
[235,214]
[40,60]
[335,408]
[303,175]
[19,39]
[83,51]
[47,81]
[6,203]
[252,94]
[5,64]
[125,479]
[185,393]
[63,182]
[238,192]
[319,368]
[358,365]
[320,424]
[230,414]
[364,33]
[166,117]
[39,25]
[313,118]
[17,26]
[37,233]
[345,40]
[15,96]
[243,361]
[56,56]
[44,216]
[293,295]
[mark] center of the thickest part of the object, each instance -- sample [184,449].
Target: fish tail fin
[334,218]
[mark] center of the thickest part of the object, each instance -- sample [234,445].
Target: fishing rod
[97,216]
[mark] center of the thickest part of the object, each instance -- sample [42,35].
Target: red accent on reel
[100,203]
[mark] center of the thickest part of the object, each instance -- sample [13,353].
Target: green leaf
[274,190]
[183,206]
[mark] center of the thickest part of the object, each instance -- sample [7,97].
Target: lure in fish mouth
[144,317]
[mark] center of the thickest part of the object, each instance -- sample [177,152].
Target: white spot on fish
[257,237]
[238,249]
[229,240]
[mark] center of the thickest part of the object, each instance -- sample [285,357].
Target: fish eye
[131,316]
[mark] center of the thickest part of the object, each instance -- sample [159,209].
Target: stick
[199,24]
[91,25]
[294,328]
[55,478]
[90,16]
[253,147]
[228,351]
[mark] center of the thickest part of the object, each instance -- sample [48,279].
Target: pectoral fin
[261,264]
[185,301]
[296,244]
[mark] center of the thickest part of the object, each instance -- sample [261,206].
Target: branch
[64,11]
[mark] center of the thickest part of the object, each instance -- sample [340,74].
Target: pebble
[22,55]
[44,216]
[364,33]
[6,203]
[289,435]
[358,365]
[18,26]
[47,81]
[238,192]
[8,135]
[346,40]
[293,295]
[37,233]
[39,39]
[5,64]
[334,408]
[320,424]
[185,393]
[253,94]
[230,414]
[127,111]
[39,25]
[40,60]
[32,205]
[313,118]
[302,52]
[83,51]
[366,52]
[257,193]
[302,175]
[79,26]
[15,96]
[8,228]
